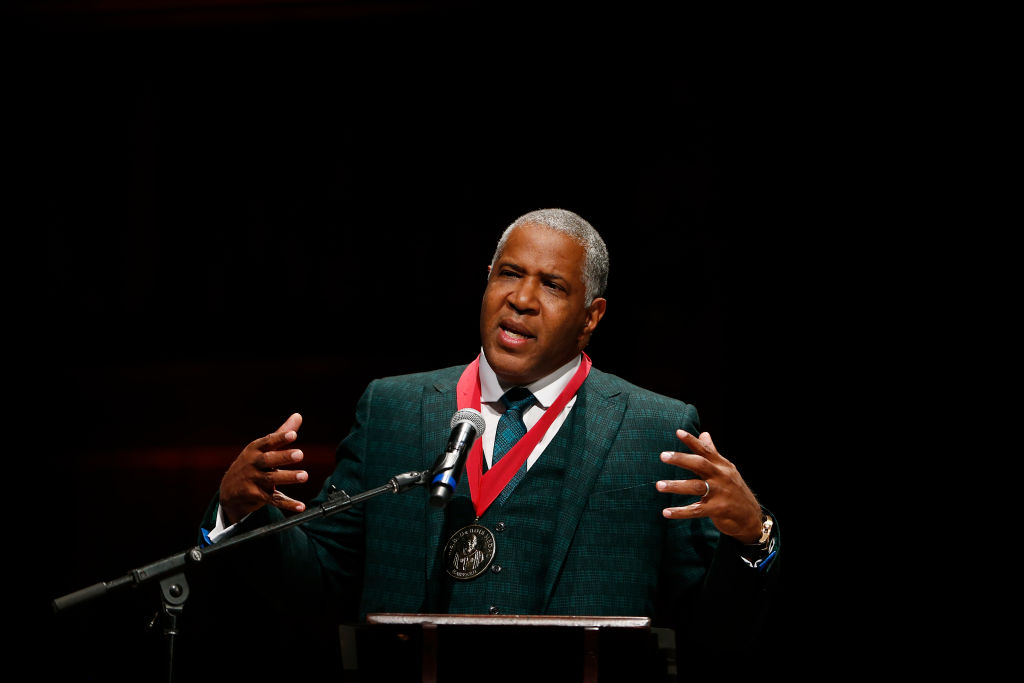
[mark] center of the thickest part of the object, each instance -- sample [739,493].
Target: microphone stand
[170,571]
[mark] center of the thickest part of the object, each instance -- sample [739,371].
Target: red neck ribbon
[484,487]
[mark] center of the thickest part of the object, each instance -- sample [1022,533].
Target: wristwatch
[754,554]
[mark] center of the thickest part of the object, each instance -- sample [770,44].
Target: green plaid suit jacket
[613,553]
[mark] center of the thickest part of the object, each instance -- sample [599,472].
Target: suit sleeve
[727,610]
[315,566]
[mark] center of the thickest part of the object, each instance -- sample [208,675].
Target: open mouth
[515,333]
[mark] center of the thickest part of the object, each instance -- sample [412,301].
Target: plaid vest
[523,529]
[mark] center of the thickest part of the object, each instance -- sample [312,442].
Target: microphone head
[473,417]
[448,467]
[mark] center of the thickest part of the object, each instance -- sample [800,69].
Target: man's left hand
[725,498]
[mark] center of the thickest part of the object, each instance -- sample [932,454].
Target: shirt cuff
[222,529]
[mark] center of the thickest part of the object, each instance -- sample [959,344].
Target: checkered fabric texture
[524,529]
[604,546]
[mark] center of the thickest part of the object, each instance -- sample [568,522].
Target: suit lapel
[595,419]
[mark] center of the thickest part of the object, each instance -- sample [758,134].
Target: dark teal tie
[511,428]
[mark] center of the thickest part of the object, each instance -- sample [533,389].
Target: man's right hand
[252,480]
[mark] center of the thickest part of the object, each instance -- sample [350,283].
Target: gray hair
[595,262]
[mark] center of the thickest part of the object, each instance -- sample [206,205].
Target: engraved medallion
[469,552]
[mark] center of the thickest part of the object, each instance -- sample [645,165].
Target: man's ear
[595,311]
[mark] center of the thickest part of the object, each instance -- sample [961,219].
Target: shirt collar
[546,389]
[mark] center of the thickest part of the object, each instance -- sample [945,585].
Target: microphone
[467,425]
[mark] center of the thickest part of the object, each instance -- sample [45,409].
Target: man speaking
[585,494]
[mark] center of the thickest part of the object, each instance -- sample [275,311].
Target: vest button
[500,526]
[496,568]
[493,610]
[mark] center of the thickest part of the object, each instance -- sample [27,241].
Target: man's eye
[509,273]
[554,285]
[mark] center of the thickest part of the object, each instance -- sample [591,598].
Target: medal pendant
[469,552]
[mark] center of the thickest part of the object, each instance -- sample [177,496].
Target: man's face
[532,319]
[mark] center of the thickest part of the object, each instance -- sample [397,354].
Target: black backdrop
[242,215]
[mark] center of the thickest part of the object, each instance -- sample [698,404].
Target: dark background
[235,211]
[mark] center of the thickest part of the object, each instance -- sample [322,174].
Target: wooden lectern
[463,648]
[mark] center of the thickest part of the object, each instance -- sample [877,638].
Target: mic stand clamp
[173,594]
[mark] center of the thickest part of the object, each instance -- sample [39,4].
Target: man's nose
[523,297]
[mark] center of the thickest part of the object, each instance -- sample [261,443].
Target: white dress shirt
[546,390]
